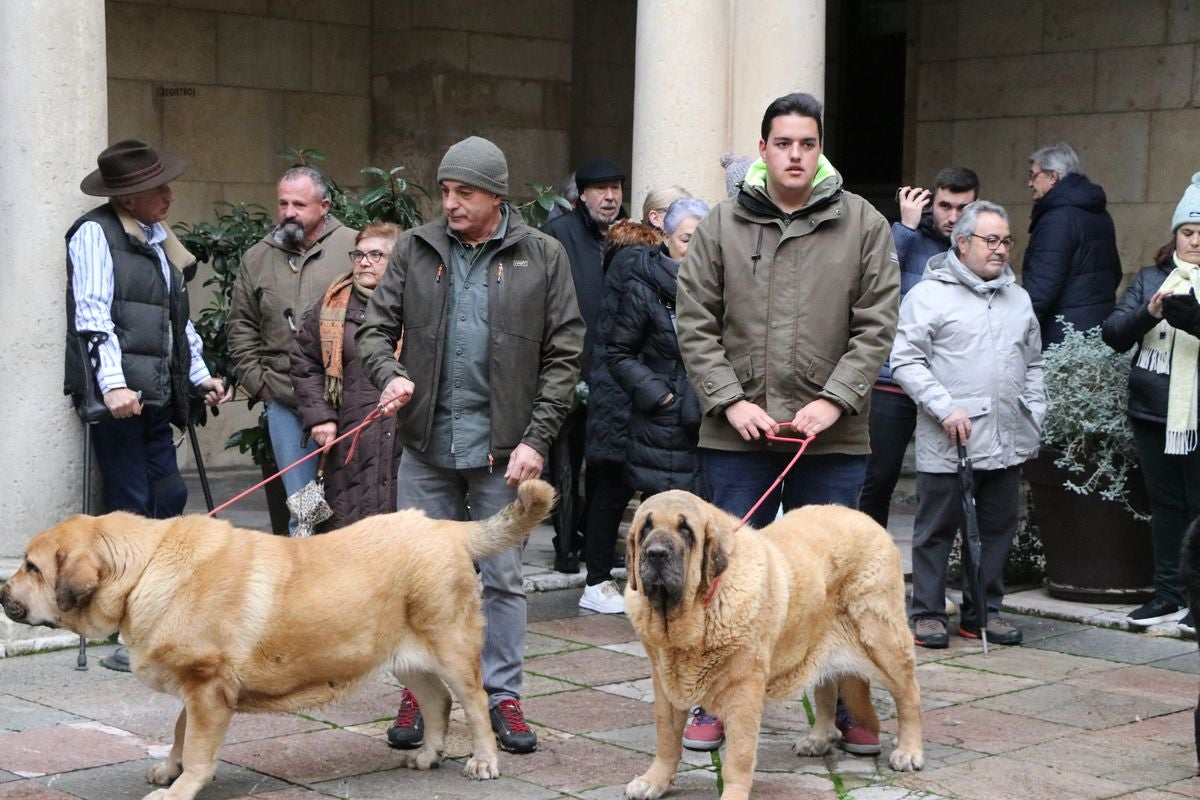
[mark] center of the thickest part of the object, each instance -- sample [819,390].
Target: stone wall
[230,83]
[442,71]
[1119,81]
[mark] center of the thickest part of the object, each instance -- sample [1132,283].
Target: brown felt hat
[131,166]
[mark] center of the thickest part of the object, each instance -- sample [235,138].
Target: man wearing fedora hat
[126,293]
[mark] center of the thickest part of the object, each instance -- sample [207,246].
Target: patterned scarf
[1169,351]
[332,326]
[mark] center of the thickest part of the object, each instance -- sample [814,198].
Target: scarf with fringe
[1169,351]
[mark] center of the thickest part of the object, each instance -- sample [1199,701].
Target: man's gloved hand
[1182,311]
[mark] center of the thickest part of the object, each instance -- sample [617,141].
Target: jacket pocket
[974,406]
[1027,438]
[819,370]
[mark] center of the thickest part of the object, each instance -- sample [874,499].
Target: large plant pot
[1096,552]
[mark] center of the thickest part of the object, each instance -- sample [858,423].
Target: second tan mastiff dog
[730,616]
[236,620]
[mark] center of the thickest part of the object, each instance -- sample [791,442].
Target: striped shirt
[92,280]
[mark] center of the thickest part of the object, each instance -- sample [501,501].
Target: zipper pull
[441,269]
[500,273]
[491,463]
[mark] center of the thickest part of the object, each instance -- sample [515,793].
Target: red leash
[804,443]
[375,415]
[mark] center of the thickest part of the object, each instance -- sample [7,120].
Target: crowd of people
[701,334]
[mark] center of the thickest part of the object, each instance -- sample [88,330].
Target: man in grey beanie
[492,343]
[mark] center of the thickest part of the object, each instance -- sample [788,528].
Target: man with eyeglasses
[1071,266]
[281,277]
[968,352]
[922,232]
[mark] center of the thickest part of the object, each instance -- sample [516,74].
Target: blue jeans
[476,494]
[286,432]
[736,480]
[137,463]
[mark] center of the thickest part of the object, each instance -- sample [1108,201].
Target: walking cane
[91,410]
[208,501]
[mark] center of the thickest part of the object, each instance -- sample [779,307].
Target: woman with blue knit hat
[1160,317]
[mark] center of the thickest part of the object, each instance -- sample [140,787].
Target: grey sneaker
[930,633]
[999,631]
[117,660]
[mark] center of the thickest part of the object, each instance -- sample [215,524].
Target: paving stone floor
[1081,710]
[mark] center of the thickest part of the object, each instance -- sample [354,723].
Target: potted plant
[1089,502]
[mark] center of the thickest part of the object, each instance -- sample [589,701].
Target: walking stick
[90,409]
[195,440]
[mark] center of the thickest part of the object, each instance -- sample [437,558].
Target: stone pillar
[778,47]
[705,71]
[680,98]
[55,121]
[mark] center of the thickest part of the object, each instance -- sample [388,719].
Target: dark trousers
[566,456]
[1173,483]
[940,518]
[893,420]
[607,498]
[736,480]
[136,456]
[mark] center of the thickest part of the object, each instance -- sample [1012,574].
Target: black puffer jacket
[367,485]
[626,243]
[644,358]
[584,243]
[1125,328]
[1071,265]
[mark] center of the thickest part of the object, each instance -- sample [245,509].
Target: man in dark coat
[1071,266]
[581,233]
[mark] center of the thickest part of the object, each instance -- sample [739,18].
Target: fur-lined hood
[627,233]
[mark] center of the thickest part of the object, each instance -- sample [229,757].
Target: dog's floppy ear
[631,543]
[77,577]
[716,555]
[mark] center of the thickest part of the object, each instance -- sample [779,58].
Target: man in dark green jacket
[491,353]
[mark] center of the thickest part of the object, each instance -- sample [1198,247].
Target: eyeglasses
[993,242]
[372,257]
[1034,173]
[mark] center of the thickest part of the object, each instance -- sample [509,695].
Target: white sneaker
[603,598]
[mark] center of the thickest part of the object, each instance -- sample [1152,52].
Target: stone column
[680,98]
[778,47]
[55,121]
[705,71]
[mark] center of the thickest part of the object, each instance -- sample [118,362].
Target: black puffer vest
[150,321]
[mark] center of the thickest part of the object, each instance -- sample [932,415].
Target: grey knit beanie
[1188,210]
[476,162]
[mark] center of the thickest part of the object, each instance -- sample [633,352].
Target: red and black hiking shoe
[513,733]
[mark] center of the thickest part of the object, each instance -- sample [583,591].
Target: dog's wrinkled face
[675,547]
[56,580]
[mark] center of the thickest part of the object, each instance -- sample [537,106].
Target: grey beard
[290,234]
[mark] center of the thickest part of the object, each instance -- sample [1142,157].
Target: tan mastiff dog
[730,615]
[236,620]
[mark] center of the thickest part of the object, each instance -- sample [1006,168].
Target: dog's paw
[164,772]
[814,744]
[905,761]
[422,758]
[642,789]
[482,769]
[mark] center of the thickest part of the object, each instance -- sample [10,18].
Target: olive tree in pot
[1089,502]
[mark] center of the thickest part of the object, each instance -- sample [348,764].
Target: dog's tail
[512,525]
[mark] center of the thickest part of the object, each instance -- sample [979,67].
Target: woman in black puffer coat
[643,355]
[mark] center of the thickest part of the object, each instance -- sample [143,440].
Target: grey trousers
[939,519]
[472,494]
